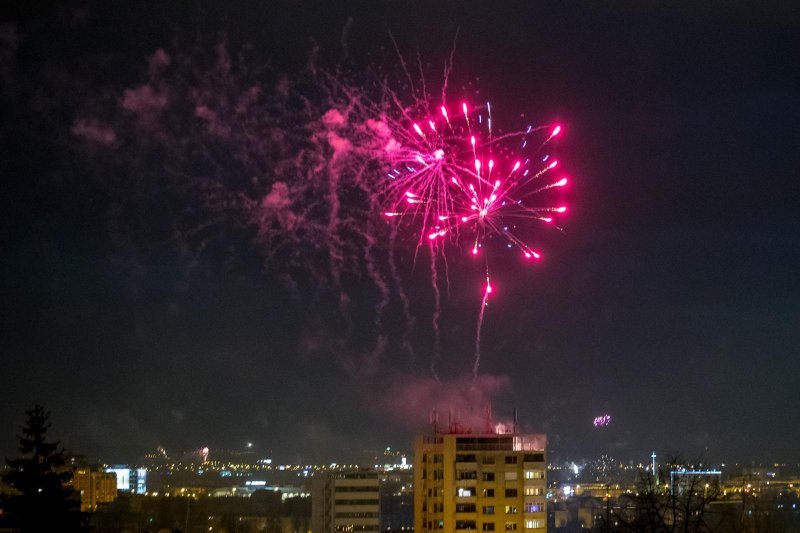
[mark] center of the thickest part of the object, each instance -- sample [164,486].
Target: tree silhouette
[664,505]
[41,499]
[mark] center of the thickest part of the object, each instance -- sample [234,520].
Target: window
[467,474]
[465,492]
[511,476]
[465,524]
[465,458]
[534,474]
[536,523]
[488,493]
[533,507]
[511,509]
[356,489]
[438,507]
[511,526]
[356,515]
[533,457]
[488,509]
[465,507]
[511,459]
[511,493]
[488,526]
[488,476]
[358,502]
[534,491]
[488,459]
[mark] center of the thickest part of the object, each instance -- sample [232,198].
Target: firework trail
[437,310]
[484,302]
[401,293]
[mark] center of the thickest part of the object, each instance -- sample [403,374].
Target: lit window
[511,509]
[536,523]
[511,526]
[533,507]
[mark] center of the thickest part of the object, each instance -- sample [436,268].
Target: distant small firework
[602,421]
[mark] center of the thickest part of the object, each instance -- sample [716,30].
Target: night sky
[671,302]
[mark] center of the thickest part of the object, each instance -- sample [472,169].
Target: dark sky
[671,302]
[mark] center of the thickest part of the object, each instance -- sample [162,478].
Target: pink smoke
[467,401]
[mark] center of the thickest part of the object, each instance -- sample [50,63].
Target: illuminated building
[132,480]
[485,482]
[345,501]
[690,481]
[95,487]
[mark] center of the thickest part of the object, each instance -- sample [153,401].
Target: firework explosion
[310,168]
[460,181]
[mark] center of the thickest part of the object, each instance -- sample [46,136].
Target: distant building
[95,487]
[397,501]
[694,481]
[486,482]
[345,502]
[132,480]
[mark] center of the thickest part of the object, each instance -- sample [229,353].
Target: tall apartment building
[490,482]
[95,487]
[345,501]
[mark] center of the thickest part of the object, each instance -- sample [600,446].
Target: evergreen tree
[41,499]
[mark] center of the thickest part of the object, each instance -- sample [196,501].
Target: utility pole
[188,506]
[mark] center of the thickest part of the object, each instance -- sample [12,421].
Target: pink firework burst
[459,180]
[454,174]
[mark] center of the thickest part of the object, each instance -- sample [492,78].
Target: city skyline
[143,314]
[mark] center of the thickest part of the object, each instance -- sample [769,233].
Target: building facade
[345,502]
[95,487]
[491,482]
